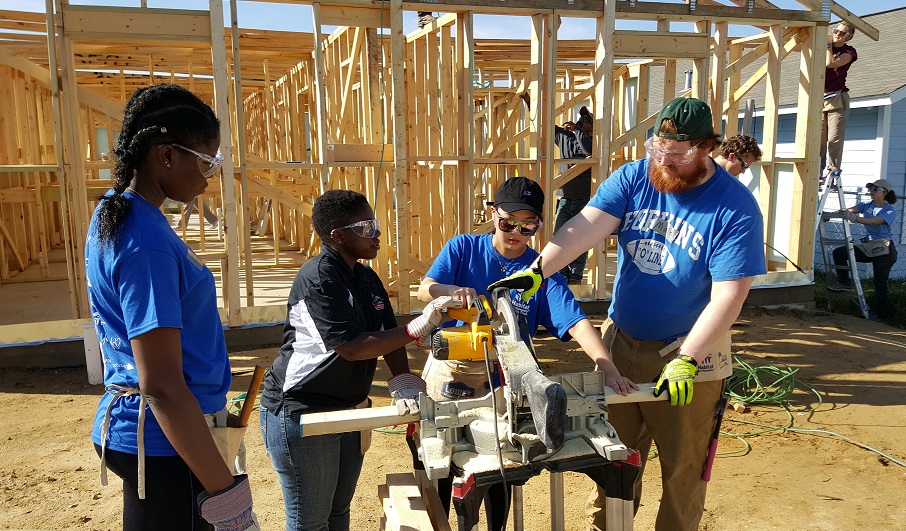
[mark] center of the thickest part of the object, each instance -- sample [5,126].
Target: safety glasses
[657,151]
[206,163]
[742,163]
[364,229]
[873,188]
[838,32]
[526,228]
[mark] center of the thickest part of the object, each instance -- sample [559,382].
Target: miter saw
[530,423]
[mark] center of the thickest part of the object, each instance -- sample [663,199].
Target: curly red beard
[681,178]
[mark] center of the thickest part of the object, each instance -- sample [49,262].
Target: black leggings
[170,490]
[881,266]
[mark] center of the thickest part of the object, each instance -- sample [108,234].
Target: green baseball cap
[691,116]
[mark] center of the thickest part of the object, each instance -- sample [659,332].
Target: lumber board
[380,417]
[404,508]
[96,22]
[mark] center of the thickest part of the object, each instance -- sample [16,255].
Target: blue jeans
[567,210]
[318,474]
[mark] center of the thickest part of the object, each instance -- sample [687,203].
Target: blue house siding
[862,132]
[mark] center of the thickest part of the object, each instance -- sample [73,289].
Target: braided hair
[154,115]
[334,209]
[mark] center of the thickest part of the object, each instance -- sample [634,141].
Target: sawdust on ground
[776,480]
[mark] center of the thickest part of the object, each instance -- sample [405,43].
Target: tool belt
[873,248]
[119,391]
[229,438]
[717,366]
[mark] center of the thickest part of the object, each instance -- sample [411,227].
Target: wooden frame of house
[426,124]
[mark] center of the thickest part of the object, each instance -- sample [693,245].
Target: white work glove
[421,327]
[404,389]
[230,509]
[850,216]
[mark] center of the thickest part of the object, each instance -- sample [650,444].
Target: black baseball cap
[520,193]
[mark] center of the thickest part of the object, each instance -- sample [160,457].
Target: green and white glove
[421,327]
[528,280]
[676,378]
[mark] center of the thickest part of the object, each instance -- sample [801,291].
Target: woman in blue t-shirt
[154,306]
[877,215]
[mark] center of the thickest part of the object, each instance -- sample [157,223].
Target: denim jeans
[318,474]
[567,210]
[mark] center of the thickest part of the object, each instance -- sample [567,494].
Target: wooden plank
[400,168]
[404,508]
[96,22]
[354,16]
[671,45]
[4,231]
[341,153]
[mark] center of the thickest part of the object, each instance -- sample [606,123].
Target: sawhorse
[617,479]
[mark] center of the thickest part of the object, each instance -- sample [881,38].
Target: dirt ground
[776,480]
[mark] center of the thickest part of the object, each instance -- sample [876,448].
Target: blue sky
[298,17]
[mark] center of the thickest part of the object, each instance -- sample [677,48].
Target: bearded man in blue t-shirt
[690,241]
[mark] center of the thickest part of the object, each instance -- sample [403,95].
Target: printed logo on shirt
[194,259]
[651,257]
[676,230]
[377,302]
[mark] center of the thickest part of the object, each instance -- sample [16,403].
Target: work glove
[404,389]
[676,378]
[527,280]
[230,509]
[421,327]
[850,216]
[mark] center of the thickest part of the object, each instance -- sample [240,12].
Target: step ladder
[833,184]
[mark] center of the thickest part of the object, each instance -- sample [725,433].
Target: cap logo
[527,192]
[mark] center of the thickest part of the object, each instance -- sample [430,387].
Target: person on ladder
[877,246]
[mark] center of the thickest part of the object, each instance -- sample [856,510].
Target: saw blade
[505,322]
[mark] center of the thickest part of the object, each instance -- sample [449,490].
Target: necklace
[131,190]
[509,263]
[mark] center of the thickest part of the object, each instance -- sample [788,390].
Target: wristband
[688,359]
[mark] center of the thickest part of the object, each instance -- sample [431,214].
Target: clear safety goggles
[206,163]
[364,229]
[657,151]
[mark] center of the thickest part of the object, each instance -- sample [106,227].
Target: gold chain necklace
[131,190]
[503,268]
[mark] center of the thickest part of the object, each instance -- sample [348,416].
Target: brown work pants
[682,435]
[833,131]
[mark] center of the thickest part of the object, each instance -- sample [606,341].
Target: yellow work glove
[676,378]
[527,280]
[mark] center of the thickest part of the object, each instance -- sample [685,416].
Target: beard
[681,179]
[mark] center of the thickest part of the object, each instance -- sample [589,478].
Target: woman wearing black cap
[877,246]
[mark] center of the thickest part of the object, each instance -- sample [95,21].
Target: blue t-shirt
[148,278]
[869,210]
[673,247]
[470,260]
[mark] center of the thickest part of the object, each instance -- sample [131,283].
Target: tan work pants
[682,435]
[833,131]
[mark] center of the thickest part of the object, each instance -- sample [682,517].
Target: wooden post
[401,163]
[242,214]
[230,272]
[603,80]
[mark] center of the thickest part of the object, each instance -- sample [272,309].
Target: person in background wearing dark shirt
[840,56]
[339,321]
[574,141]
